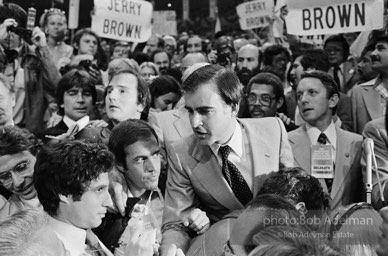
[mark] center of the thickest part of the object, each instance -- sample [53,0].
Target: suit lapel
[301,144]
[209,174]
[342,164]
[372,106]
[182,122]
[261,156]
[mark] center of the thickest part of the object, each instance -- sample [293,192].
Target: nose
[303,98]
[196,120]
[16,179]
[245,64]
[108,200]
[112,95]
[152,164]
[80,97]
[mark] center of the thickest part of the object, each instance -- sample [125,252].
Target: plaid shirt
[383,93]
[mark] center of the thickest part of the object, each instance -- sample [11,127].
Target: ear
[64,199]
[301,207]
[235,109]
[280,103]
[333,101]
[140,107]
[13,100]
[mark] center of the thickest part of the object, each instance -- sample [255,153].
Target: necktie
[234,178]
[322,139]
[336,77]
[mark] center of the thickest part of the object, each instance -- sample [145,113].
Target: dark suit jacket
[59,129]
[195,177]
[347,183]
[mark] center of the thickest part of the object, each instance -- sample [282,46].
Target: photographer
[30,68]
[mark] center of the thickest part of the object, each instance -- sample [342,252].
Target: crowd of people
[189,146]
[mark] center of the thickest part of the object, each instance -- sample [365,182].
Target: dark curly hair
[67,168]
[296,185]
[14,140]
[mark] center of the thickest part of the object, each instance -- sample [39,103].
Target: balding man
[238,43]
[190,59]
[248,63]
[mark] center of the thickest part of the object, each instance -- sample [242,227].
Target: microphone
[368,146]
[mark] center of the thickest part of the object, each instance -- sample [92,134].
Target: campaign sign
[126,20]
[319,17]
[255,14]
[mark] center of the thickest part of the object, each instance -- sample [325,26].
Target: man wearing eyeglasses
[265,98]
[342,68]
[18,148]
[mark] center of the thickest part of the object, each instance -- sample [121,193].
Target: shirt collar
[69,122]
[73,238]
[236,142]
[330,133]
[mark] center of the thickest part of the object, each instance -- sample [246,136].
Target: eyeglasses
[333,49]
[264,99]
[21,169]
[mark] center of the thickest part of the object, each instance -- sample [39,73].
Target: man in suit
[225,162]
[342,68]
[377,131]
[76,96]
[368,99]
[322,149]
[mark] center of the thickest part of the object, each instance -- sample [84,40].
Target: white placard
[319,17]
[254,14]
[164,23]
[73,14]
[127,20]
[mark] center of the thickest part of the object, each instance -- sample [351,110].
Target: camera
[24,33]
[87,64]
[223,59]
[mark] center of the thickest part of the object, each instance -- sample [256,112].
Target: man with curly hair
[71,180]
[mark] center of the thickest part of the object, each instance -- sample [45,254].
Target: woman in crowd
[165,93]
[148,70]
[54,24]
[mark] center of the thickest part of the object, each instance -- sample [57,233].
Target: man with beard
[162,60]
[248,63]
[18,148]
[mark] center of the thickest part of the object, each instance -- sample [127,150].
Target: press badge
[322,161]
